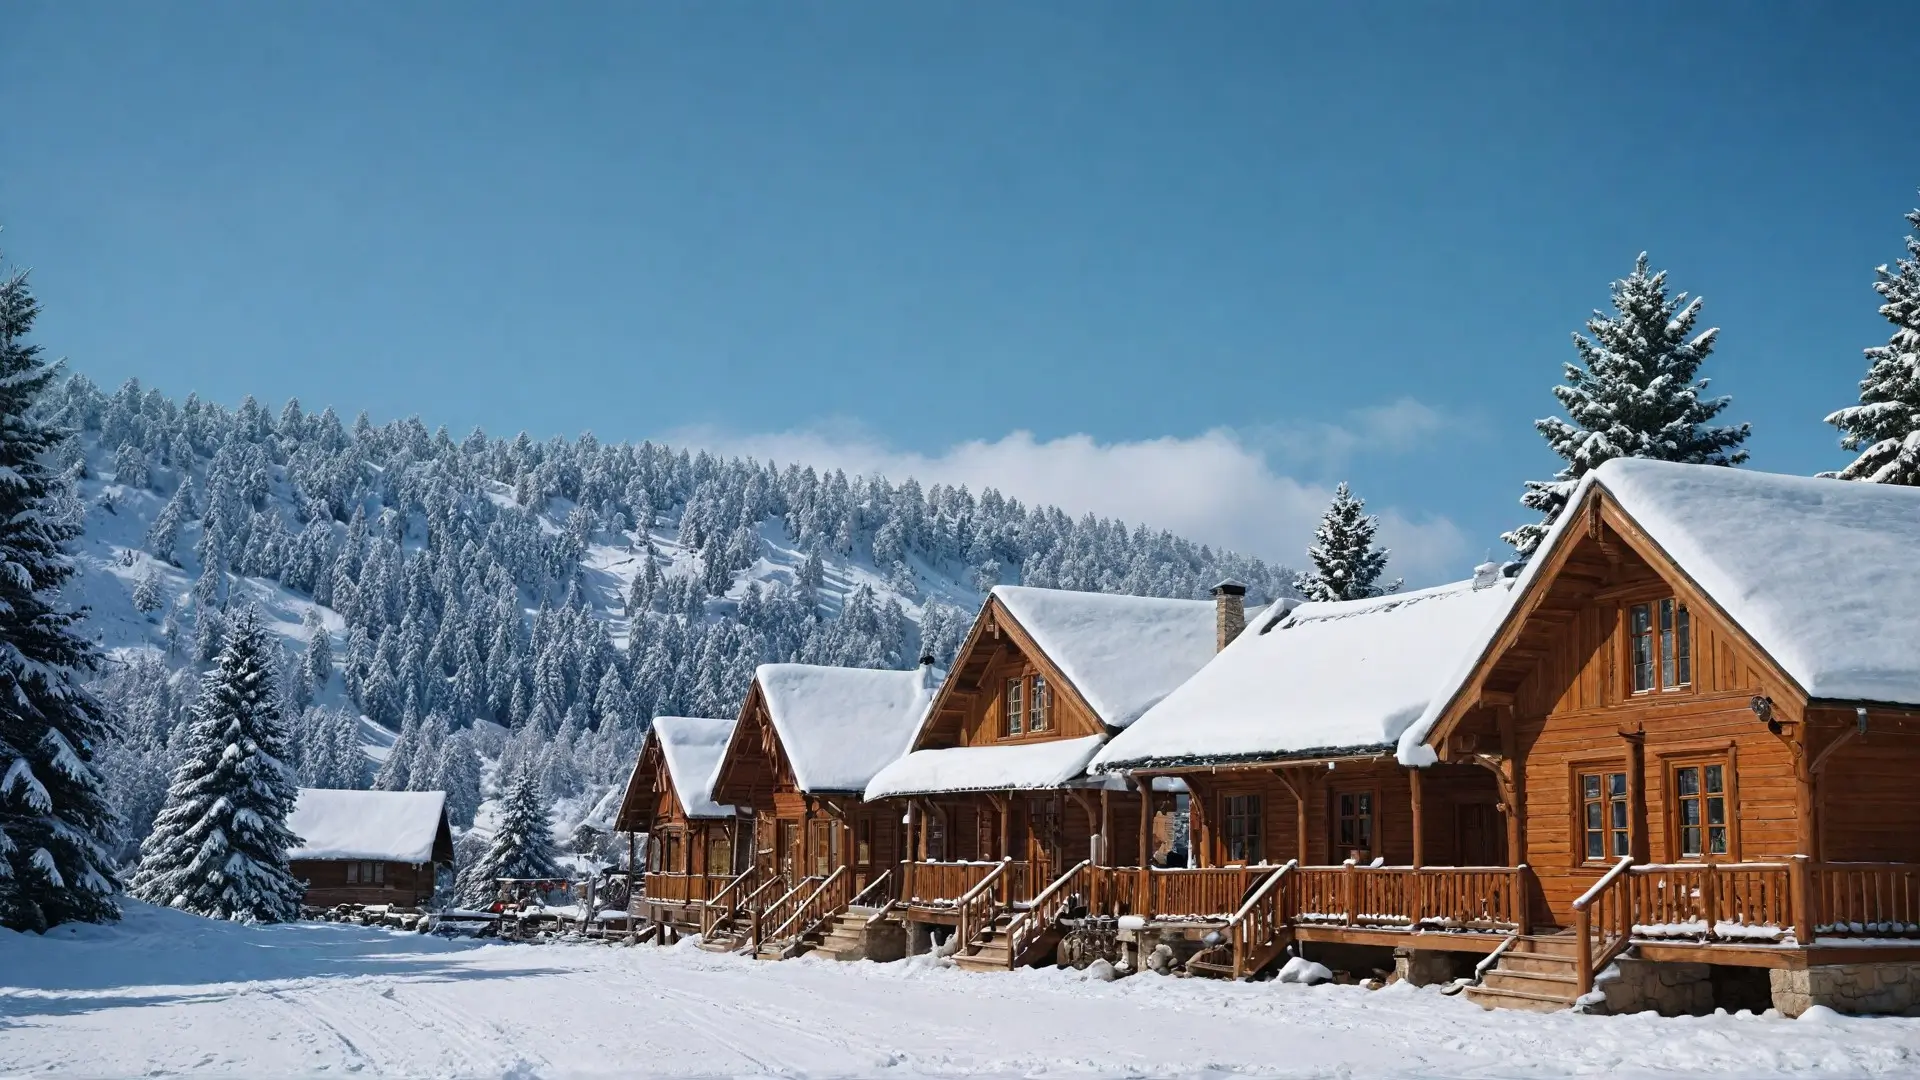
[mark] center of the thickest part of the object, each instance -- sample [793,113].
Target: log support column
[1419,819]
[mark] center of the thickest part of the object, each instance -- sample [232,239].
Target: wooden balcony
[681,888]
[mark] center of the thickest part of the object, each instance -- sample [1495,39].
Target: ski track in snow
[166,994]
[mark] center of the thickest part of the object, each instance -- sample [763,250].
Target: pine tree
[165,531]
[1633,394]
[1885,426]
[1346,565]
[146,594]
[219,847]
[522,844]
[319,655]
[56,825]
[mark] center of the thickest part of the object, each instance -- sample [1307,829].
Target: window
[1014,709]
[719,855]
[1603,815]
[353,873]
[1353,818]
[1662,645]
[1700,809]
[366,873]
[863,842]
[670,853]
[1039,705]
[379,870]
[1240,814]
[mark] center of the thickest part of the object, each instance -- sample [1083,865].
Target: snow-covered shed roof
[692,747]
[1009,767]
[1122,653]
[1324,678]
[1822,574]
[839,726]
[388,826]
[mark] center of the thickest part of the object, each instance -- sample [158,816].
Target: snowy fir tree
[56,823]
[1346,565]
[522,845]
[1885,426]
[1633,394]
[219,845]
[147,597]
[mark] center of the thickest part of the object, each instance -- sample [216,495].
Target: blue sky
[1188,263]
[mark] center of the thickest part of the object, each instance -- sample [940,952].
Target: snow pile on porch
[1820,573]
[1014,767]
[388,826]
[692,747]
[1122,653]
[840,726]
[1325,678]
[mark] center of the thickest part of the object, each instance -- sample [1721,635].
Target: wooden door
[1483,837]
[823,847]
[1043,840]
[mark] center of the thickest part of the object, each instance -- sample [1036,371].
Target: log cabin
[1286,741]
[995,795]
[808,741]
[1702,708]
[693,846]
[369,847]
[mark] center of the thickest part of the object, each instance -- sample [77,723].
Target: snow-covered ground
[165,993]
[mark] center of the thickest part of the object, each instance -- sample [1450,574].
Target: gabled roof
[1324,679]
[1029,766]
[387,826]
[839,726]
[691,747]
[1820,574]
[1121,653]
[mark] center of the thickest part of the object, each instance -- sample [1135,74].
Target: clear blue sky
[912,225]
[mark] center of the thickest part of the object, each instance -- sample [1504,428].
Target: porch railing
[828,899]
[977,905]
[684,888]
[1865,899]
[942,883]
[1258,929]
[777,913]
[1047,908]
[1602,923]
[721,908]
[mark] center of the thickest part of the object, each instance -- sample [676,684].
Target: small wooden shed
[369,847]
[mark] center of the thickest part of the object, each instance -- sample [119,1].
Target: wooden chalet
[995,795]
[694,845]
[808,741]
[369,847]
[1306,831]
[1702,708]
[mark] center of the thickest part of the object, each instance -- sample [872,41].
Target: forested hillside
[482,598]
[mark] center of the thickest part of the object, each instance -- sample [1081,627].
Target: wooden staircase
[1540,973]
[987,951]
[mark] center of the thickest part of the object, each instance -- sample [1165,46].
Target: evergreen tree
[1885,426]
[56,825]
[164,534]
[522,844]
[319,656]
[1633,394]
[146,595]
[1346,565]
[219,847]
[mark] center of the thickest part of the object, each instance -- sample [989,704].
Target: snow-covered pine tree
[1885,426]
[1633,394]
[219,847]
[165,531]
[522,845]
[146,594]
[1346,565]
[56,825]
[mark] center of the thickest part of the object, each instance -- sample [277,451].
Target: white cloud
[1396,427]
[1216,487]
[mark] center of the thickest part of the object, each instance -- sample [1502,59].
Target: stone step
[1490,997]
[1545,964]
[1533,982]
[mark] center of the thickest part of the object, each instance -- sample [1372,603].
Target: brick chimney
[1229,612]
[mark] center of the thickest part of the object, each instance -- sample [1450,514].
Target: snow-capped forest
[450,606]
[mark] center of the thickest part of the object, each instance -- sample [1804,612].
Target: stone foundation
[1424,967]
[1852,988]
[1631,986]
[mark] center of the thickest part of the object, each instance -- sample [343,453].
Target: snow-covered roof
[1122,653]
[1005,767]
[390,826]
[839,726]
[1820,573]
[692,747]
[1324,678]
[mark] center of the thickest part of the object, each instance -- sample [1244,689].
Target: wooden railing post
[1709,898]
[1351,880]
[1583,946]
[1419,898]
[1800,896]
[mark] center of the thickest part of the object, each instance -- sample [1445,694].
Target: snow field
[166,994]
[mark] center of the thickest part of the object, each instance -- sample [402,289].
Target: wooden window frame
[725,849]
[863,840]
[1577,809]
[353,871]
[1244,824]
[1039,704]
[1372,816]
[1014,705]
[1658,658]
[1671,762]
